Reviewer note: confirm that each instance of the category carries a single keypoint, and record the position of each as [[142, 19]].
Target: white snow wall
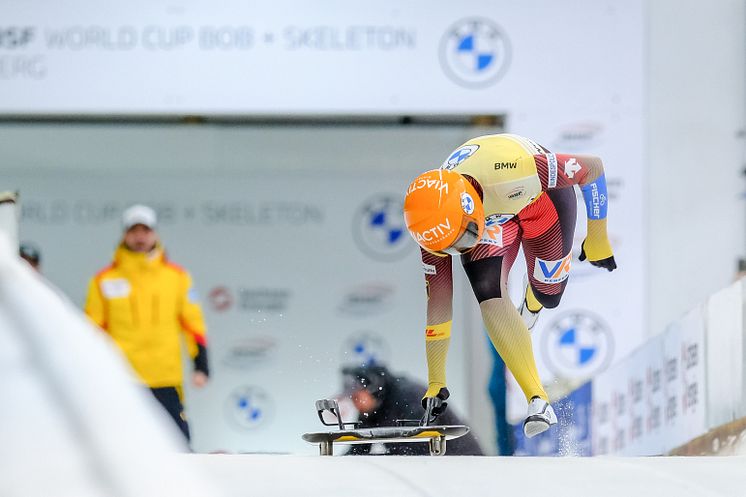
[[74, 420]]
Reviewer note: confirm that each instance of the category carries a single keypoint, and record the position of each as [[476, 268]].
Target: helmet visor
[[467, 241]]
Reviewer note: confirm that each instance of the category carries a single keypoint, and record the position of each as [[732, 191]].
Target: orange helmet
[[443, 212]]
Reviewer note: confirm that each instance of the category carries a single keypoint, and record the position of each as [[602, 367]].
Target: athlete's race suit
[[528, 200]]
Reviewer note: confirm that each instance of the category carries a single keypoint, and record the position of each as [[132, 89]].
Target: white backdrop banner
[[331, 57]]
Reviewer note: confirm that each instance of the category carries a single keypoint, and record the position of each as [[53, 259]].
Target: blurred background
[[275, 142]]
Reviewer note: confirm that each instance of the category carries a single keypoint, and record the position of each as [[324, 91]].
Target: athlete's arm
[[586, 171], [439, 287]]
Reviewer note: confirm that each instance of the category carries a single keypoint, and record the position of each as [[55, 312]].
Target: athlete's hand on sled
[[436, 391], [598, 254]]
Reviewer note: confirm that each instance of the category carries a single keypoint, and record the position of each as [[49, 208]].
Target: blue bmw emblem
[[474, 52], [459, 155], [249, 407], [365, 348], [467, 203], [378, 228], [577, 345]]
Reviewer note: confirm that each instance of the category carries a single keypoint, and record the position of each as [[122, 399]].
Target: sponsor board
[[221, 298], [578, 137], [365, 347], [475, 52], [250, 352], [378, 228], [577, 345], [249, 407], [367, 299]]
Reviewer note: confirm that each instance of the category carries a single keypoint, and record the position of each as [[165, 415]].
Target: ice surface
[[457, 476]]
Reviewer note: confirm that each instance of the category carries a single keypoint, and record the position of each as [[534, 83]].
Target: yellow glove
[[596, 247]]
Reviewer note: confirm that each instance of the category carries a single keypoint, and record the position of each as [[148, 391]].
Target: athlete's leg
[[548, 229], [487, 267]]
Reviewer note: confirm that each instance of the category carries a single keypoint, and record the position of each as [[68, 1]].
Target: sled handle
[[332, 406]]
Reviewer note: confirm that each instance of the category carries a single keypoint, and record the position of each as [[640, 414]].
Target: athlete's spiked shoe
[[540, 417], [529, 317]]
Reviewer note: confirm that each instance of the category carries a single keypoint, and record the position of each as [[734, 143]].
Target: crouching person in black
[[382, 398]]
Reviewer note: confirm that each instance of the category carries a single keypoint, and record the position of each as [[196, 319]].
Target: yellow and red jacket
[[146, 303]]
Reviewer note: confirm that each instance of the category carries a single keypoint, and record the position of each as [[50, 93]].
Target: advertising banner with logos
[[627, 404], [289, 57], [297, 279], [654, 400], [725, 355], [684, 378]]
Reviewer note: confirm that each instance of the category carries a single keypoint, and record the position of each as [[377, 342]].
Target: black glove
[[200, 360], [609, 263], [434, 407], [440, 407]]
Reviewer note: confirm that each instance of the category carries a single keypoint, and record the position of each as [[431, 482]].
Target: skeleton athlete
[[493, 194]]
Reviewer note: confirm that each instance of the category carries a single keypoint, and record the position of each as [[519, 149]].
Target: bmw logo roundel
[[379, 229], [467, 203], [577, 345], [365, 348], [458, 156], [474, 52], [249, 407]]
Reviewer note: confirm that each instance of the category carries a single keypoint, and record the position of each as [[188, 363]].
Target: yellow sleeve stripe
[[438, 331]]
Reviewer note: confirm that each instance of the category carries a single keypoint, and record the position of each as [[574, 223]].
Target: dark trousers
[[171, 402]]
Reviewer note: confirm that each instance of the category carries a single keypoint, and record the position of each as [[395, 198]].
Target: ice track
[[362, 476]]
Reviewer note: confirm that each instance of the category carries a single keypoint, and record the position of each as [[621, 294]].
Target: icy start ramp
[[456, 476]]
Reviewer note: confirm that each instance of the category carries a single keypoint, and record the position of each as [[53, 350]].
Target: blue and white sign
[[365, 348], [189, 57], [475, 52], [379, 228], [249, 407], [577, 345]]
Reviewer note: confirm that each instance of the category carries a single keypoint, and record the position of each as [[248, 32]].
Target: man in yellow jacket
[[146, 303]]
